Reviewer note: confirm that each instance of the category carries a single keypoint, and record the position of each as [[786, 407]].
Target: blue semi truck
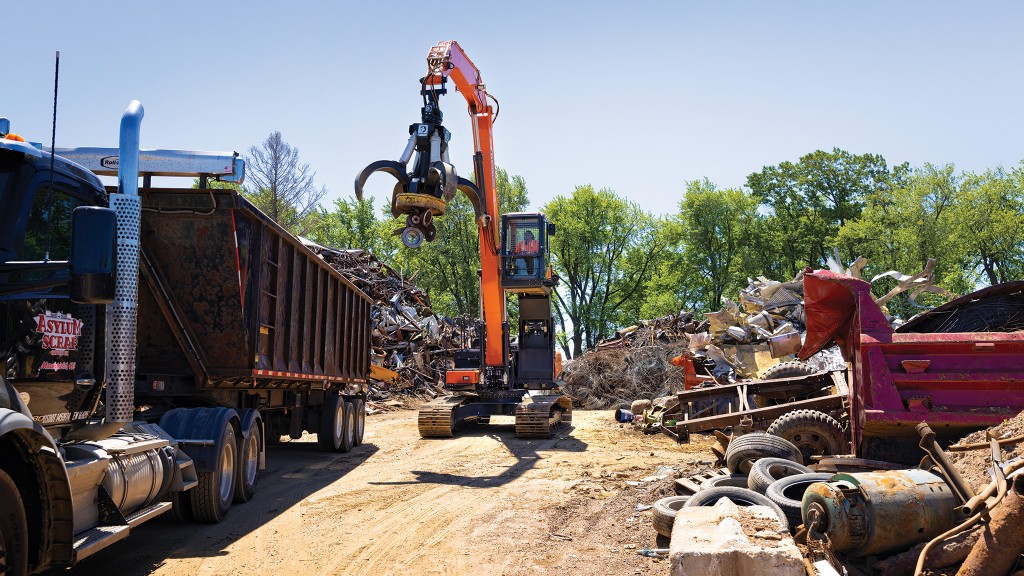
[[154, 340]]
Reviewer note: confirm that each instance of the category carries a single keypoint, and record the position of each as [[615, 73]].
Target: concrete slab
[[730, 540]]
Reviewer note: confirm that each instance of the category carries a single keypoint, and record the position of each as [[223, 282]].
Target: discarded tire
[[781, 370], [767, 470], [788, 370], [814, 433], [787, 493], [739, 496], [664, 513], [734, 480], [743, 451]]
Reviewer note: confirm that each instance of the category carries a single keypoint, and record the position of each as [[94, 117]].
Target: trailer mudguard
[[197, 431]]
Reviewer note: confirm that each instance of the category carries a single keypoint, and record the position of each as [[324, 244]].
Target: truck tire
[[13, 529], [349, 433], [788, 493], [181, 508], [332, 423], [767, 470], [663, 514], [814, 433], [248, 463], [359, 409], [212, 498], [743, 451], [740, 497]]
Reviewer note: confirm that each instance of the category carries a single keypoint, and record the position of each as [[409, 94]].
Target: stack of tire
[[766, 469]]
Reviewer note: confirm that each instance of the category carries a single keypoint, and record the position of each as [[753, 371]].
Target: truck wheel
[[212, 497], [248, 464], [332, 435], [348, 439], [814, 433], [181, 508], [13, 529], [359, 409]]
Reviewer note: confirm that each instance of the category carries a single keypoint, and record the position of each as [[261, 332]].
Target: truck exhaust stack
[[122, 313]]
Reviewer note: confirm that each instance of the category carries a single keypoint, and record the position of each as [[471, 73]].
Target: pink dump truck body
[[955, 381]]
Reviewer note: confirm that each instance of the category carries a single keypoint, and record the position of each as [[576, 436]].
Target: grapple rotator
[[427, 181]]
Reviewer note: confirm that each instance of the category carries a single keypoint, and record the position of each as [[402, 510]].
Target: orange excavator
[[496, 377]]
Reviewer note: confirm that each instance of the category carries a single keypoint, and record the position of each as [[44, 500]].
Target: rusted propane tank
[[873, 512]]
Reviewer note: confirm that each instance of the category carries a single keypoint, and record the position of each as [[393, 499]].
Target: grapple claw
[[426, 180], [396, 169]]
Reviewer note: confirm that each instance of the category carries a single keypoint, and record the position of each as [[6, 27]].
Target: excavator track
[[536, 416], [437, 417]]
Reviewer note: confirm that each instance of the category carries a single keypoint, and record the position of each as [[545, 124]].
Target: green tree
[[903, 227], [808, 201], [710, 235], [991, 223], [597, 233], [353, 224]]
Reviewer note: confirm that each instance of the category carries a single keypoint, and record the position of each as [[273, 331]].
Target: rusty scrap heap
[[410, 342], [736, 342]]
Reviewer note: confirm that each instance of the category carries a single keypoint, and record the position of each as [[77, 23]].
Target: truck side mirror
[[93, 254], [551, 228]]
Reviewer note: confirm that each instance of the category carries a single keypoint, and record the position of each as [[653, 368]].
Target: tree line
[[618, 263]]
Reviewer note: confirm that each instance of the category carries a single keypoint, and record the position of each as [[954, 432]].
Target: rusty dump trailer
[[234, 311]]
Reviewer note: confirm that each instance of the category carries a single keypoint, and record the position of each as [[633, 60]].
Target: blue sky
[[639, 97]]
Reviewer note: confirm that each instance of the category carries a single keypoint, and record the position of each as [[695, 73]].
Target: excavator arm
[[427, 182]]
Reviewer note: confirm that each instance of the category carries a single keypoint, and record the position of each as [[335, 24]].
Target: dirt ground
[[484, 502]]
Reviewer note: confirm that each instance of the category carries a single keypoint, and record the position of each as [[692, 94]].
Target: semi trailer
[[154, 341]]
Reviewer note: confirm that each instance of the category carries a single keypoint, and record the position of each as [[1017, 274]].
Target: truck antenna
[[53, 153]]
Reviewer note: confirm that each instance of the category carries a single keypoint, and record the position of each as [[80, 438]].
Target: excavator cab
[[524, 253]]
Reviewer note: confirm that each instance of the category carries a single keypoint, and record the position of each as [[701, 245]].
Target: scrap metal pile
[[411, 343], [736, 342]]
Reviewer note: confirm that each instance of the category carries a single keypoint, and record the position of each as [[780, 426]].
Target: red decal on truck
[[60, 331]]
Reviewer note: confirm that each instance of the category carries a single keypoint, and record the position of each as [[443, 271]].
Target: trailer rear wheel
[[359, 409], [212, 497], [13, 529], [249, 464], [337, 425], [349, 433]]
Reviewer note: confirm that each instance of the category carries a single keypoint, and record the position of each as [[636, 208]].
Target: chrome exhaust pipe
[[122, 313]]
